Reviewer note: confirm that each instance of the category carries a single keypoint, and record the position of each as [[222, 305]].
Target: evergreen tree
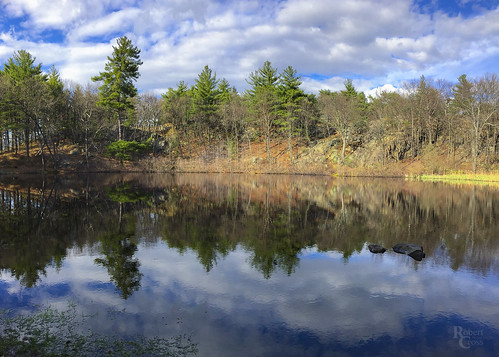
[[224, 91], [265, 101], [21, 71], [205, 102], [205, 94], [290, 94], [121, 70], [177, 104], [52, 125], [266, 77]]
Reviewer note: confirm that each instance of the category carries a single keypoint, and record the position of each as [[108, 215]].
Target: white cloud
[[315, 85], [56, 14], [114, 22], [383, 42], [374, 92]]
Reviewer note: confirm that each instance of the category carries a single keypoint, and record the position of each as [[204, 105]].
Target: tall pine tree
[[21, 71], [291, 95], [118, 88]]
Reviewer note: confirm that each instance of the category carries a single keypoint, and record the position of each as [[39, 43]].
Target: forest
[[443, 124]]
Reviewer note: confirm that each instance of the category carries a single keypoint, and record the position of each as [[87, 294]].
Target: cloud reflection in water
[[369, 302]]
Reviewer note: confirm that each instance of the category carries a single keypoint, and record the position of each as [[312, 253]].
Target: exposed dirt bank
[[323, 158]]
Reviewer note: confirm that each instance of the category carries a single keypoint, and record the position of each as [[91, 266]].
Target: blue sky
[[379, 44]]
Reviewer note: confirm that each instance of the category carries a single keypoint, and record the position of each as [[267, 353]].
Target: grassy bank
[[491, 179]]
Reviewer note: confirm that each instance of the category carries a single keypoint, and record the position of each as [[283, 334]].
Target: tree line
[[111, 116]]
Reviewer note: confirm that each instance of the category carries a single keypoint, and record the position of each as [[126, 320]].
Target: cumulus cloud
[[117, 21], [56, 14], [382, 42]]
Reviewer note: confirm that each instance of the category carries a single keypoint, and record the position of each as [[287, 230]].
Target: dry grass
[[321, 159]]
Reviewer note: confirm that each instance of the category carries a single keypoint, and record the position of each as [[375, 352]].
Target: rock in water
[[417, 255], [406, 248], [376, 248], [413, 250]]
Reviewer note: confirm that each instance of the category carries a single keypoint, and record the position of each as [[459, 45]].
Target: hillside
[[322, 158]]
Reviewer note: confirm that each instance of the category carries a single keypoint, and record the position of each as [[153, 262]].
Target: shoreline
[[311, 161], [451, 178]]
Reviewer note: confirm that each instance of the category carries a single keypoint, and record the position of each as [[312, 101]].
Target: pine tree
[[205, 92], [121, 70], [290, 94], [264, 101], [205, 102], [20, 69], [266, 77]]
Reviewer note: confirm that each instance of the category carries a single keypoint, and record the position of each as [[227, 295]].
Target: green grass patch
[[491, 179]]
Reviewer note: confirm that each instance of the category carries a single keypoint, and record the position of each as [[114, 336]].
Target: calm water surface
[[258, 265]]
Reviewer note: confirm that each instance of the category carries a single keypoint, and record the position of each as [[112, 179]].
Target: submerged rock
[[376, 248], [413, 250]]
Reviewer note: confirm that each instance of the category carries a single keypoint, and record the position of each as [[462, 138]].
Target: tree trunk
[[86, 146], [496, 142], [267, 142], [26, 138], [120, 133], [384, 152], [267, 148], [44, 169], [430, 135], [343, 149], [307, 134], [475, 150], [412, 136]]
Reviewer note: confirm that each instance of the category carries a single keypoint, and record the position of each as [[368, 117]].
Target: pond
[[247, 265]]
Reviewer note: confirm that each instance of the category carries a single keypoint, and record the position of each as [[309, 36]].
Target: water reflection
[[122, 267], [272, 217], [267, 264]]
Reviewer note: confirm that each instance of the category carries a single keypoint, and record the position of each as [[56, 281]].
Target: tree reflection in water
[[120, 263], [272, 217], [248, 233]]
